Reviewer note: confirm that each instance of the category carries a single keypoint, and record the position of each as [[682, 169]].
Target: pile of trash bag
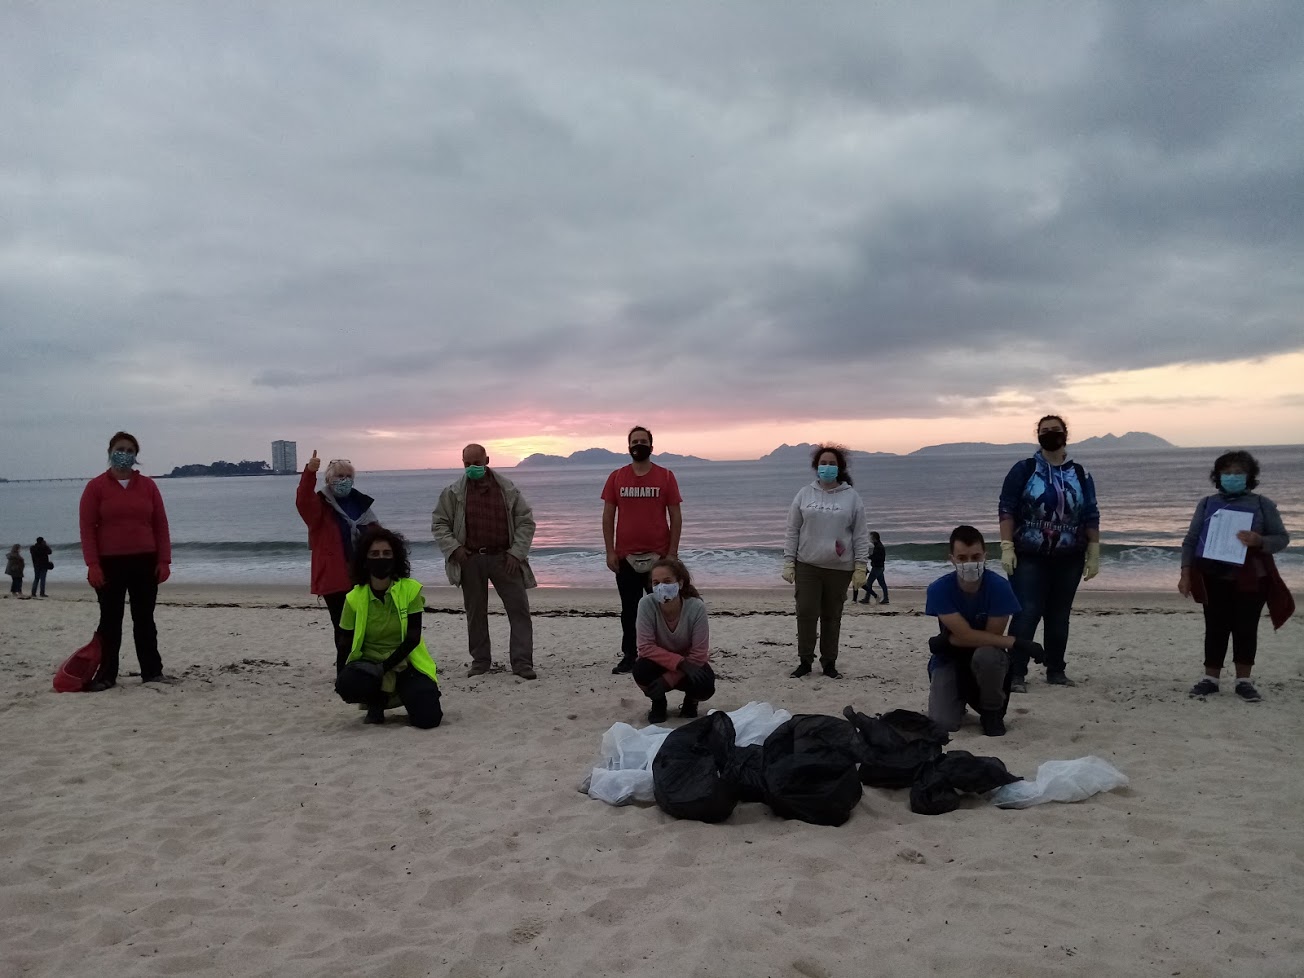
[[806, 770], [812, 767], [623, 772]]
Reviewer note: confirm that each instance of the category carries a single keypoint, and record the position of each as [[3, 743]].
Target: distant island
[[599, 456], [1132, 441], [800, 454], [220, 468]]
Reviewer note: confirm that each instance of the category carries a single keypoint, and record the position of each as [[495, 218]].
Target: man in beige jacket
[[485, 527]]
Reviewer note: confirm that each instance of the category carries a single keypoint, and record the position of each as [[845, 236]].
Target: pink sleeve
[[646, 640], [88, 519], [162, 536], [699, 649]]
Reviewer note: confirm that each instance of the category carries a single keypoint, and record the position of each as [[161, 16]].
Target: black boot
[[375, 714], [801, 670], [689, 709], [993, 723], [659, 710]]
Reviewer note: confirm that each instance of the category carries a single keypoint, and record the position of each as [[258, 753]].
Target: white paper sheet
[[1221, 543]]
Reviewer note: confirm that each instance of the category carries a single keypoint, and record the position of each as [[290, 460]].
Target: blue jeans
[[39, 580], [1045, 587], [875, 574]]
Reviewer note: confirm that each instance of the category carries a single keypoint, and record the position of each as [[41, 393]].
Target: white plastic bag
[[1061, 781], [623, 772], [756, 721]]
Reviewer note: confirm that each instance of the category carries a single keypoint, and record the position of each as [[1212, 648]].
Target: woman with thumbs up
[[334, 517]]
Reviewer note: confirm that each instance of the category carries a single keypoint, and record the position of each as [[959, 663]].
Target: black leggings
[[335, 605], [1231, 613], [417, 691], [646, 672]]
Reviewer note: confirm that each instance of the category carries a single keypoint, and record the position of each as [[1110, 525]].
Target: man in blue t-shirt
[[971, 653]]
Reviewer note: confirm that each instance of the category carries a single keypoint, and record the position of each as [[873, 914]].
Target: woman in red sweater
[[335, 518], [128, 552]]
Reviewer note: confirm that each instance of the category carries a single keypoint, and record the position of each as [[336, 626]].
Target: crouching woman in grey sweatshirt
[[825, 549]]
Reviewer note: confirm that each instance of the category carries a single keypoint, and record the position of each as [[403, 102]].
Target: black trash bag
[[810, 770], [360, 681], [687, 771], [746, 772], [897, 745], [941, 782]]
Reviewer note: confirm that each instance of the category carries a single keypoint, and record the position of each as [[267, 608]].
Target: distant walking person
[[485, 528], [641, 523], [1050, 540], [335, 517], [128, 552], [877, 558], [1233, 594], [41, 564], [14, 565], [826, 547]]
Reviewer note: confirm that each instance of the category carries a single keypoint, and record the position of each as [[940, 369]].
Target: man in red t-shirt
[[640, 523]]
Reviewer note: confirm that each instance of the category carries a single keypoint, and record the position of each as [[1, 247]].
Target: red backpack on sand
[[79, 668]]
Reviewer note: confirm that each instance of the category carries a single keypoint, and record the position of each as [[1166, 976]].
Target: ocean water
[[246, 530]]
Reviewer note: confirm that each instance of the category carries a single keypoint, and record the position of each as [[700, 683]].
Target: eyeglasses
[[339, 461]]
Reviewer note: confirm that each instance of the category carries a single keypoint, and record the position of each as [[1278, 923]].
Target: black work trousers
[[135, 577]]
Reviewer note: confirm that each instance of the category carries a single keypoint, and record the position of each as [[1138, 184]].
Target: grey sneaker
[[1246, 691], [1205, 687], [1059, 679], [1019, 684]]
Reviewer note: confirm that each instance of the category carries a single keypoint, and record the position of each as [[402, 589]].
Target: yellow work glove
[[789, 571], [1008, 560], [1093, 561], [858, 577]]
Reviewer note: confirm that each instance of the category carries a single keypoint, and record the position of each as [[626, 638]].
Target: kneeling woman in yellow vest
[[386, 662]]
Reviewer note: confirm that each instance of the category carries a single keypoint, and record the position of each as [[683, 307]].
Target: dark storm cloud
[[228, 222]]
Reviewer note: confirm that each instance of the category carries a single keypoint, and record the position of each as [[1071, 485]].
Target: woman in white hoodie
[[825, 549]]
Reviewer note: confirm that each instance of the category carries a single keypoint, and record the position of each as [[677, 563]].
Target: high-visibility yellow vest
[[403, 592]]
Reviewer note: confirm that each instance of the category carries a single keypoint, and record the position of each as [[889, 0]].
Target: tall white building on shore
[[285, 457]]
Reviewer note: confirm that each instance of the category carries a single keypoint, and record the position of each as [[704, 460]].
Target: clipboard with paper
[[1220, 542]]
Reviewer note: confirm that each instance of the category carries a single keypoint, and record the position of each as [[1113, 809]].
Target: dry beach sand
[[246, 822]]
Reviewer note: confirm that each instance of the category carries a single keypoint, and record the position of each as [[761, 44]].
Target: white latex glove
[[858, 576], [1092, 567], [1008, 560], [789, 571]]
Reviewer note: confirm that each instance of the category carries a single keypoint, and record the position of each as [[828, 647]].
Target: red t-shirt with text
[[641, 501]]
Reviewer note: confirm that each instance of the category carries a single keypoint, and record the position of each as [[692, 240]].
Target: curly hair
[[685, 579], [840, 453], [1242, 458], [1051, 417], [358, 566]]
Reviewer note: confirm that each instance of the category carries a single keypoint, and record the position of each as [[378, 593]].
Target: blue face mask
[[665, 592], [122, 460], [475, 472], [1232, 483], [827, 473], [342, 487]]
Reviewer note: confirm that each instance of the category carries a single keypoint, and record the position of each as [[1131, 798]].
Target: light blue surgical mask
[[475, 472], [827, 473], [342, 487], [1232, 483], [122, 460], [665, 592]]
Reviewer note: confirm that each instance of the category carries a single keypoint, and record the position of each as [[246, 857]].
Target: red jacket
[[330, 568], [117, 521]]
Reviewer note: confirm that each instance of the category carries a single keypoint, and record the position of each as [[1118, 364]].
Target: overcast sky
[[385, 229]]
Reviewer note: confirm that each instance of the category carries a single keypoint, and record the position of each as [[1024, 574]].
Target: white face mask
[[665, 592], [971, 573]]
